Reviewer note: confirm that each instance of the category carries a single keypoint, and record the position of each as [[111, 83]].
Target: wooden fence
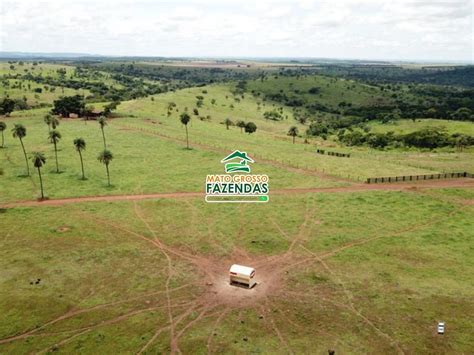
[[335, 154], [419, 177]]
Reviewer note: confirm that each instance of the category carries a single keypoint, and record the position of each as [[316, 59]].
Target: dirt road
[[460, 183]]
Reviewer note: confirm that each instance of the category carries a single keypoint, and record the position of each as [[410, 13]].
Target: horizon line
[[52, 55]]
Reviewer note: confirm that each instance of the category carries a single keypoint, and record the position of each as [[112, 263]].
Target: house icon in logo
[[237, 167]]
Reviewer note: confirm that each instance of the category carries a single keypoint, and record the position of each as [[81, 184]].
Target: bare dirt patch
[[63, 229]]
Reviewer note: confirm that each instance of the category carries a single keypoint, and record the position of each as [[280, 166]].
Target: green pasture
[[104, 284], [142, 163], [270, 141], [332, 91]]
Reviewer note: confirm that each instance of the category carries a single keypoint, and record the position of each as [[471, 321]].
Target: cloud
[[403, 29]]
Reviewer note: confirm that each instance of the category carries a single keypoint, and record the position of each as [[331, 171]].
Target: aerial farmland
[[235, 204]]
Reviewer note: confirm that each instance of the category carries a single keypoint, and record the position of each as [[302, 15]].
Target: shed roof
[[244, 270]]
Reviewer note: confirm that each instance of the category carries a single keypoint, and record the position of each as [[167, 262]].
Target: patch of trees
[[6, 106], [430, 138], [133, 88], [442, 75], [69, 104], [182, 77], [273, 115]]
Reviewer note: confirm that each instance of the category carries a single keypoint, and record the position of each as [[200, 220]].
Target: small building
[[242, 276], [440, 327]]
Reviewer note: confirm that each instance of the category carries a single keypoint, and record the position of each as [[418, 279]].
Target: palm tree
[[228, 122], [241, 125], [54, 137], [38, 161], [19, 131], [106, 157], [51, 121], [54, 122], [185, 118], [80, 145], [3, 126], [293, 131], [103, 122], [47, 120]]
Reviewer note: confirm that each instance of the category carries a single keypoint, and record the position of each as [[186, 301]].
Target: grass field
[[144, 136], [325, 282], [142, 163]]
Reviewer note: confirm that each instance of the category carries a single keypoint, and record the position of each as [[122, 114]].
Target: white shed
[[242, 275]]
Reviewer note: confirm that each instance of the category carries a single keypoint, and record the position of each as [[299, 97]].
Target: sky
[[429, 30]]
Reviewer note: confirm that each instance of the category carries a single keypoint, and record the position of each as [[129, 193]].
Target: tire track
[[170, 271]]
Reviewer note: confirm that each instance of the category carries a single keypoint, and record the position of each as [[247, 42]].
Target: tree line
[[430, 138]]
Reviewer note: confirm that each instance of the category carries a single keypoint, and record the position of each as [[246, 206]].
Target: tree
[[293, 132], [241, 125], [80, 145], [317, 129], [47, 120], [38, 161], [69, 104], [54, 122], [110, 107], [88, 111], [54, 137], [379, 140], [462, 114], [228, 122], [171, 105], [273, 115], [103, 122], [19, 131], [185, 118], [250, 127], [105, 157], [3, 127], [51, 121], [6, 106]]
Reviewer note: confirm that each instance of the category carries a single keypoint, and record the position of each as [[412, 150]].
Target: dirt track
[[461, 183]]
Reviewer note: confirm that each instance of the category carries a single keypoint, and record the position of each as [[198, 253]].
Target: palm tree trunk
[[3, 140], [293, 139], [56, 155], [26, 158], [187, 139], [41, 183], [103, 137], [108, 175], [82, 165]]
